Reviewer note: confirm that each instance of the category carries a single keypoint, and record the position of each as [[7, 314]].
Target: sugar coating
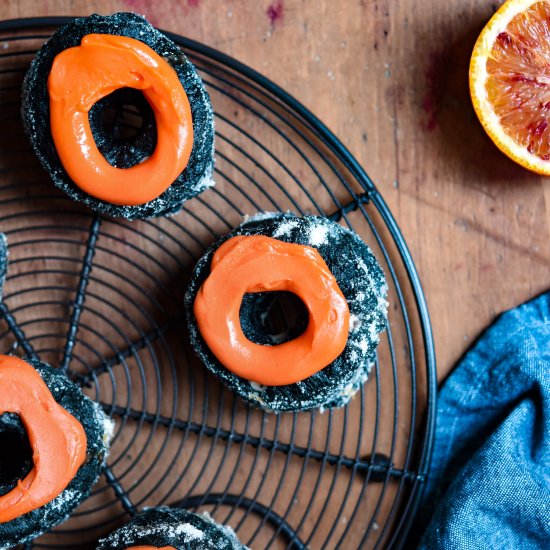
[[108, 424], [194, 179], [186, 531], [318, 235], [98, 429], [285, 229], [363, 284], [164, 526], [259, 216]]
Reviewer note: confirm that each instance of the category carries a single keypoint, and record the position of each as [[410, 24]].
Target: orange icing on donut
[[79, 78], [260, 264], [57, 438]]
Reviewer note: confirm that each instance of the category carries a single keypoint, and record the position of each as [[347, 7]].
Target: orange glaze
[[79, 78], [260, 264], [57, 439]]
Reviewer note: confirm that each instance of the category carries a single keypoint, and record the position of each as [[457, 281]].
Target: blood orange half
[[510, 81]]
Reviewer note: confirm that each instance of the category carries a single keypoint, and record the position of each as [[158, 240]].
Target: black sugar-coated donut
[[361, 281], [98, 429], [165, 526], [121, 152]]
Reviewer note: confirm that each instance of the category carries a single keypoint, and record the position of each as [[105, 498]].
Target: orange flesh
[[518, 83], [79, 78], [57, 439], [260, 264]]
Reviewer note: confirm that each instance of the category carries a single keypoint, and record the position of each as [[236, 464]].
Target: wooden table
[[390, 78]]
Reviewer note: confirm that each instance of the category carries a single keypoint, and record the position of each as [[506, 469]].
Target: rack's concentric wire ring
[[102, 299]]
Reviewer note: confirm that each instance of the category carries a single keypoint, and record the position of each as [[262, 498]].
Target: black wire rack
[[102, 299]]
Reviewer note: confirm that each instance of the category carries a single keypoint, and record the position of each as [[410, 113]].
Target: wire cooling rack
[[102, 299]]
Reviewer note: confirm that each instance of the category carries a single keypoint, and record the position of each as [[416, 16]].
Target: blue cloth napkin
[[489, 484]]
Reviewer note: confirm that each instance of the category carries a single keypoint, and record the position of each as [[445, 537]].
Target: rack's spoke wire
[[132, 350], [78, 302], [350, 206], [119, 491], [17, 331], [377, 470]]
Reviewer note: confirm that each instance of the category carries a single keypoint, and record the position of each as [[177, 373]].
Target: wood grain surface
[[389, 77]]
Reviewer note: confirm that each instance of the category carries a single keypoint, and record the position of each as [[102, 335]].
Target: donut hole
[[124, 127], [272, 318], [15, 452], [122, 121]]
